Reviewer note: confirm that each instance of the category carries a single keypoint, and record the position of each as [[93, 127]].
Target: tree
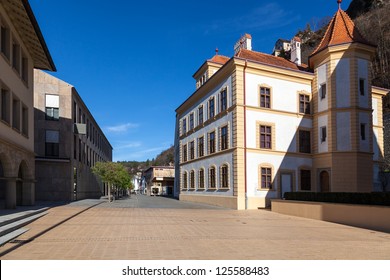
[[114, 174]]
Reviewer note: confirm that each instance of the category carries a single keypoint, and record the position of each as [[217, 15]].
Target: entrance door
[[324, 181], [286, 181]]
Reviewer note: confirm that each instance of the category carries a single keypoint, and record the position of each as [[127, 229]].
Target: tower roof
[[341, 30]]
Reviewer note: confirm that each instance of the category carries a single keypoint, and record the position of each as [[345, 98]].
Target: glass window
[[212, 142], [224, 138], [223, 103], [266, 177], [305, 180], [265, 137], [304, 104], [304, 141], [200, 115], [224, 176], [265, 97], [211, 108], [200, 146]]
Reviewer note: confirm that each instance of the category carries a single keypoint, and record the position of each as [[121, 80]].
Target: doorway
[[286, 183], [324, 181]]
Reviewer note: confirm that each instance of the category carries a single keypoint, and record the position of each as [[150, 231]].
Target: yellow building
[[258, 126], [22, 48]]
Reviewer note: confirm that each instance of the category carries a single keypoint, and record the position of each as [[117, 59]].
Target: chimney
[[296, 51], [245, 42]]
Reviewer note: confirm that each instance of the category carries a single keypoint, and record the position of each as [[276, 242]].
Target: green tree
[[114, 174]]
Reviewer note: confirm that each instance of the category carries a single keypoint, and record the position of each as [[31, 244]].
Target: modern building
[[258, 126], [22, 48], [159, 180], [68, 142]]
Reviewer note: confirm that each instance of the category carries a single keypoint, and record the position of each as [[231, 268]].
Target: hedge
[[375, 198]]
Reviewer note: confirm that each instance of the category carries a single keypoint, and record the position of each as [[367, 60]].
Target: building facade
[[68, 142], [22, 48], [261, 125], [159, 180]]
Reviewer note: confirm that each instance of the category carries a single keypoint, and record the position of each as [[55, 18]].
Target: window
[[185, 180], [201, 179], [16, 114], [74, 112], [200, 115], [5, 41], [362, 86], [305, 180], [323, 134], [304, 141], [223, 97], [212, 178], [266, 177], [224, 138], [211, 108], [363, 131], [224, 177], [184, 125], [74, 147], [265, 137], [5, 105], [192, 179], [322, 91], [185, 153], [201, 146], [265, 97], [24, 68], [16, 56], [211, 142], [52, 107], [191, 121], [24, 120], [52, 145], [304, 104], [192, 150]]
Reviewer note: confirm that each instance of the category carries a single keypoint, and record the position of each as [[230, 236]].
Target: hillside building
[[258, 126], [22, 48], [68, 142], [159, 180]]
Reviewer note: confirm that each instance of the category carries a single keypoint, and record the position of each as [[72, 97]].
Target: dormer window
[[323, 91]]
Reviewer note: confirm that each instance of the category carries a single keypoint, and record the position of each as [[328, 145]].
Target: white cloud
[[122, 127]]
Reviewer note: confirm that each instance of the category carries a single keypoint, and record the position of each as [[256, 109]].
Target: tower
[[342, 122]]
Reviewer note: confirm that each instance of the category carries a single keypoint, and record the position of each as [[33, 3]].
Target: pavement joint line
[[23, 242]]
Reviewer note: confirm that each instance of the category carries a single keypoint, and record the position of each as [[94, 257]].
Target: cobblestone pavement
[[156, 228]]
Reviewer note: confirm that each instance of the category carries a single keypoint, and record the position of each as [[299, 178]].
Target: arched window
[[185, 180], [201, 179], [192, 179], [212, 178], [225, 176]]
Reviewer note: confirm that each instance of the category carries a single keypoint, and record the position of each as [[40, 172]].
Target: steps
[[12, 225]]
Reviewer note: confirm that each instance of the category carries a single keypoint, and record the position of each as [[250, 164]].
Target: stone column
[[10, 194], [28, 192]]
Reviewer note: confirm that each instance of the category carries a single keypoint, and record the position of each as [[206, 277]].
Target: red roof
[[341, 30], [219, 59], [270, 60]]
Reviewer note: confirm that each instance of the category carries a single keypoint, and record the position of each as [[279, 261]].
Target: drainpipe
[[245, 160]]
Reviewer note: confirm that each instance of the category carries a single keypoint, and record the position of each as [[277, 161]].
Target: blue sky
[[132, 61]]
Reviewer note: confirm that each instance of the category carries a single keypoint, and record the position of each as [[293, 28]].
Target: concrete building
[[68, 142], [159, 180], [260, 125], [22, 48]]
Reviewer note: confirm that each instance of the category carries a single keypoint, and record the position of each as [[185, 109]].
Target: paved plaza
[[157, 228]]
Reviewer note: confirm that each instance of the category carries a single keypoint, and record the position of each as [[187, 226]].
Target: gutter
[[245, 159]]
